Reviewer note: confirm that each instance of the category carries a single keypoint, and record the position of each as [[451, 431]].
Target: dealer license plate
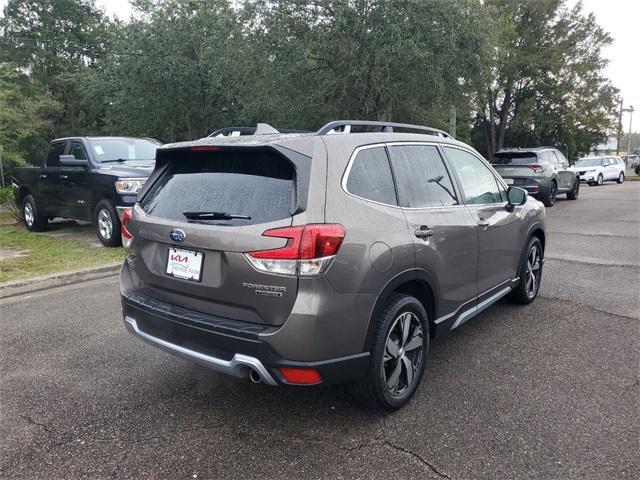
[[185, 264]]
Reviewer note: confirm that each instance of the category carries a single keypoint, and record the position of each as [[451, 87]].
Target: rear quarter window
[[255, 183], [370, 177]]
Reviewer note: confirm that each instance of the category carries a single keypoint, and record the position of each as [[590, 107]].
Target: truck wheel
[[620, 177], [398, 355], [33, 220], [549, 199], [107, 224], [575, 191]]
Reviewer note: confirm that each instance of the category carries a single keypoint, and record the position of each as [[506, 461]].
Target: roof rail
[[344, 126], [238, 131]]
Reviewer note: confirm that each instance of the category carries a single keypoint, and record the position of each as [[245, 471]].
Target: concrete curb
[[59, 279]]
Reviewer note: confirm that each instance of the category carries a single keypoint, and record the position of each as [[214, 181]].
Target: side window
[[77, 150], [370, 177], [478, 182], [421, 177], [53, 157], [545, 159], [561, 159]]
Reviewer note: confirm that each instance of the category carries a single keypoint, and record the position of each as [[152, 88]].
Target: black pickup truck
[[85, 178]]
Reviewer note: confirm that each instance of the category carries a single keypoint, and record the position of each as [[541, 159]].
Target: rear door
[[50, 181], [612, 169], [499, 238], [564, 172], [75, 181], [258, 183], [443, 230]]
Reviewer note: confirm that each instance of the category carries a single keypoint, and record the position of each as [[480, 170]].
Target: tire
[[31, 216], [523, 293], [575, 191], [384, 366], [107, 224], [620, 177], [549, 199], [600, 180]]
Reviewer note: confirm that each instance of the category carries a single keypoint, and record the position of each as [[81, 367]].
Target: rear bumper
[[533, 187], [227, 346]]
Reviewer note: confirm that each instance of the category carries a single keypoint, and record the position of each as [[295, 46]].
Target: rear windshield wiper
[[214, 216]]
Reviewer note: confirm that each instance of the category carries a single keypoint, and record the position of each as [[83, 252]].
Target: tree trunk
[[504, 114]]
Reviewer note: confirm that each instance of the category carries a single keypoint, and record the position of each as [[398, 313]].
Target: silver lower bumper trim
[[239, 366]]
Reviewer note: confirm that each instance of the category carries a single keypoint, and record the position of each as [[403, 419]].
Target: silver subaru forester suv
[[326, 257]]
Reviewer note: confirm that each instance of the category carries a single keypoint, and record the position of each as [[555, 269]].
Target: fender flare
[[391, 286]]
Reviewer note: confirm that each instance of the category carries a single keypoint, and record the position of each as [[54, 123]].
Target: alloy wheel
[[105, 224], [403, 353], [29, 217], [534, 270]]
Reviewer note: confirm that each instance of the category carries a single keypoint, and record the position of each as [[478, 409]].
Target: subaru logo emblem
[[177, 235]]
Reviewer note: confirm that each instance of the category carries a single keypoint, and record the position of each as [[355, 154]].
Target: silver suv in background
[[326, 257], [543, 172]]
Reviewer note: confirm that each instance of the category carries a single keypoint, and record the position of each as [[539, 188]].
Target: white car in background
[[597, 170]]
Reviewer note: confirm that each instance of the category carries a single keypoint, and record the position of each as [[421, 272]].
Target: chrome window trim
[[385, 145]]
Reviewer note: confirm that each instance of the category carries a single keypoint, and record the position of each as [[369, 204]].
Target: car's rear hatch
[[517, 164], [199, 263]]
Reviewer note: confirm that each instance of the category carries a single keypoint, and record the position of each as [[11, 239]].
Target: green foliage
[[524, 72], [26, 119]]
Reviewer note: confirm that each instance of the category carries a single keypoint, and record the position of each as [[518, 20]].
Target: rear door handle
[[483, 223], [423, 232], [43, 175], [64, 177]]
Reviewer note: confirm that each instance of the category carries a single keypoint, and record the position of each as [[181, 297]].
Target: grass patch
[[633, 178], [48, 254]]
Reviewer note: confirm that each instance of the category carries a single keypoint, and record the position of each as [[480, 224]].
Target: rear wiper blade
[[214, 216]]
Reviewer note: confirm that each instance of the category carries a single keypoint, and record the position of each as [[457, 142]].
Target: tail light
[[127, 237], [309, 251], [536, 167]]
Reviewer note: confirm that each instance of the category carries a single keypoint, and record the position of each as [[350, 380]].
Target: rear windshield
[[514, 158], [254, 183]]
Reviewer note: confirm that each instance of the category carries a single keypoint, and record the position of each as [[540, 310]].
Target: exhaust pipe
[[255, 376]]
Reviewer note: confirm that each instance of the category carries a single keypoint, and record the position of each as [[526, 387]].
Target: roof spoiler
[[344, 126], [260, 129]]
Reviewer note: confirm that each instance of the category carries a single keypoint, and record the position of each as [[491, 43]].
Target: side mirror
[[72, 161], [516, 196]]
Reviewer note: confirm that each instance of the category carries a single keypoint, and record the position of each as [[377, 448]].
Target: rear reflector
[[309, 251], [300, 376]]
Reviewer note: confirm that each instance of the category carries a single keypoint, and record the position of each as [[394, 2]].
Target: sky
[[621, 18]]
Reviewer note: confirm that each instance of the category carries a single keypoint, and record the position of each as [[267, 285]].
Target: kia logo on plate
[[177, 235]]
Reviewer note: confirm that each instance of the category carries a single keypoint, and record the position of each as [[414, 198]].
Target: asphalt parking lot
[[549, 391]]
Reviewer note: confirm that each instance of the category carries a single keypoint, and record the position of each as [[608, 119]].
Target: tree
[[58, 43], [26, 118], [548, 86], [403, 60]]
